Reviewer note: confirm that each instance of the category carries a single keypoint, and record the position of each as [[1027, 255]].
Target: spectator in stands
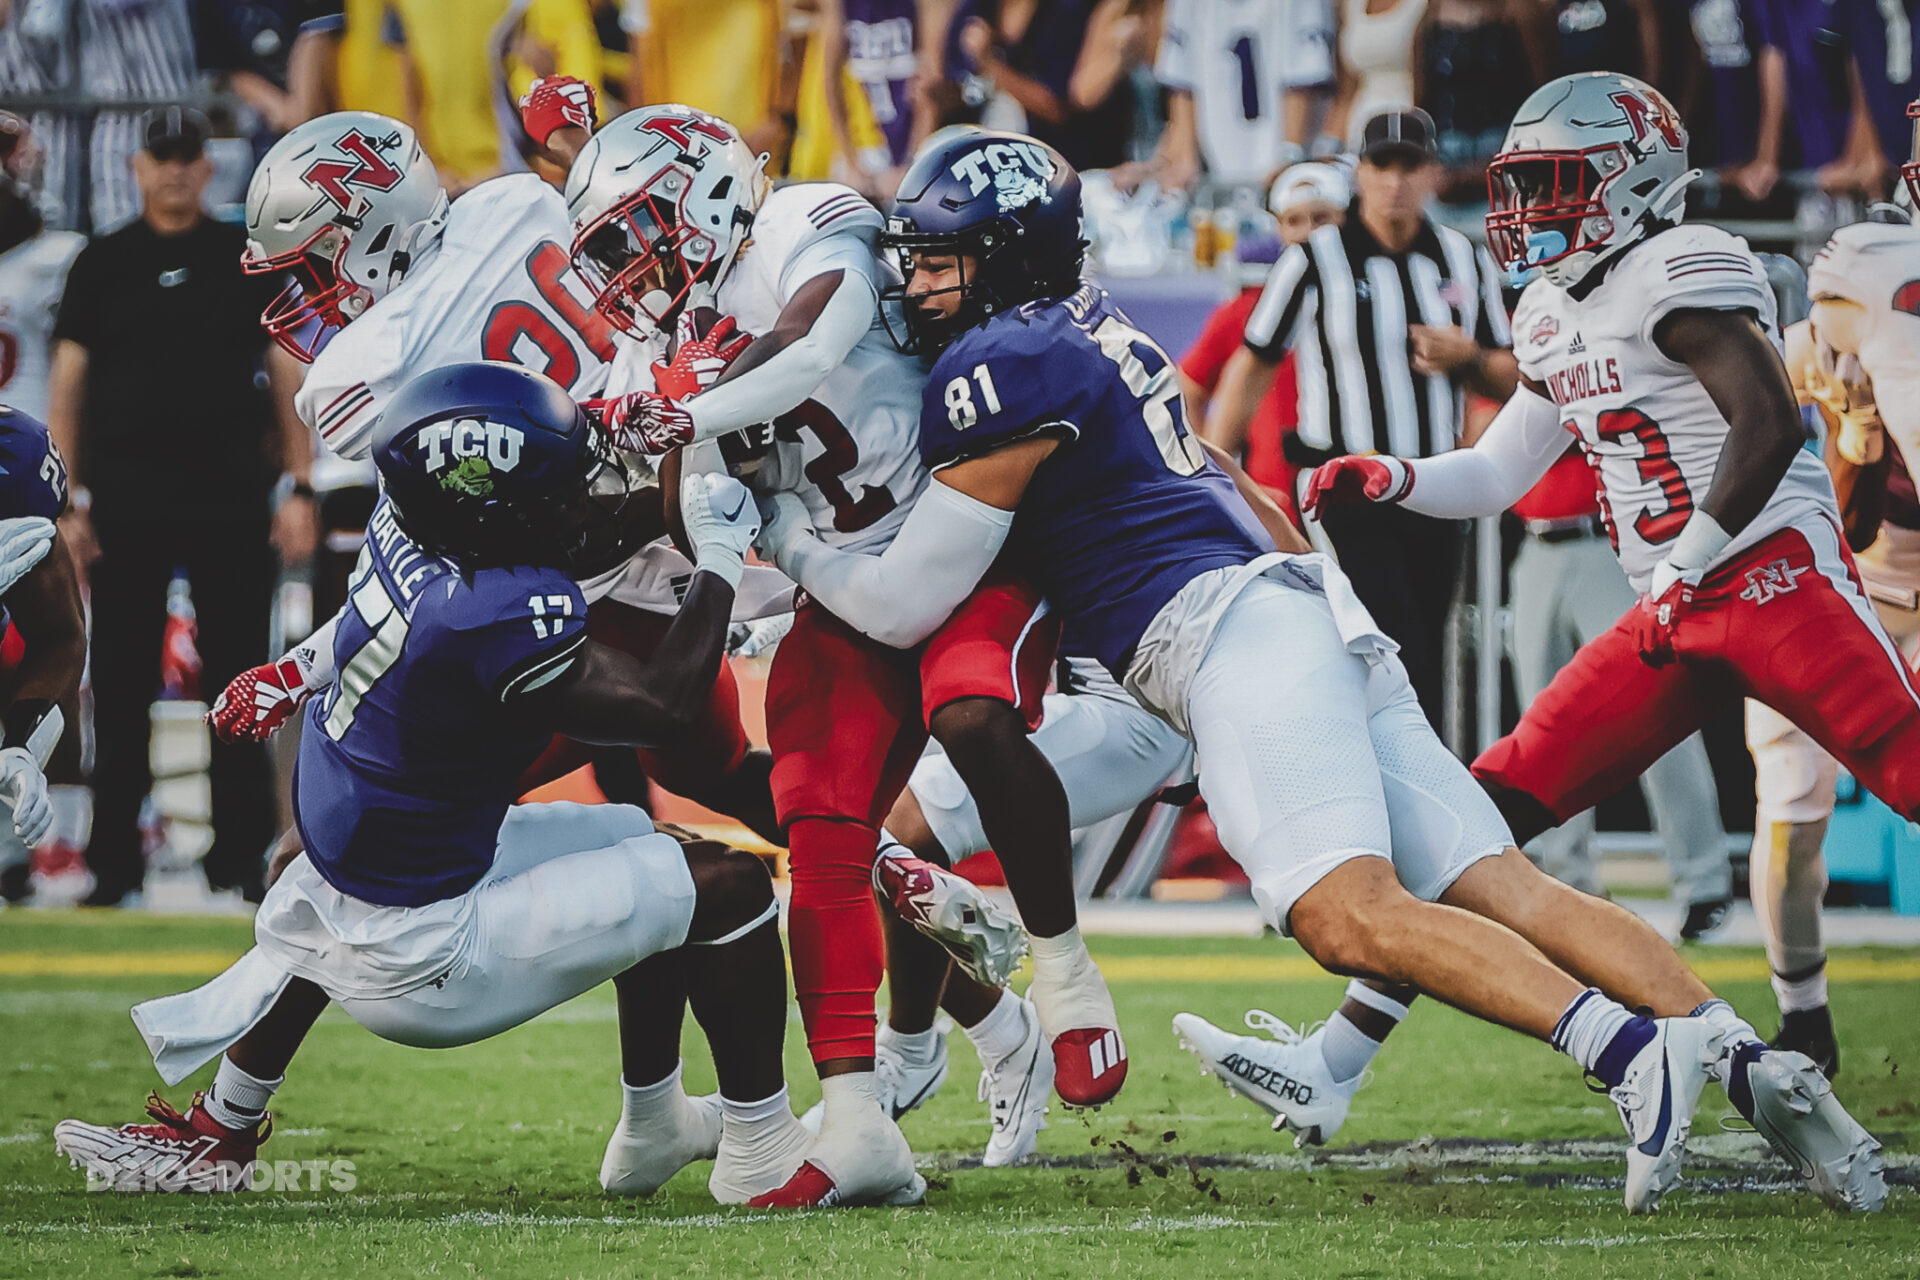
[[1246, 87], [1737, 94], [1827, 103], [1063, 64], [1606, 35], [1465, 60], [126, 51], [250, 44], [1879, 39], [41, 63], [350, 61], [159, 401], [859, 85], [1304, 198], [465, 67], [729, 59], [1376, 43]]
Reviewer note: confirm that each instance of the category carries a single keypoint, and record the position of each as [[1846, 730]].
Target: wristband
[[22, 718], [1700, 543]]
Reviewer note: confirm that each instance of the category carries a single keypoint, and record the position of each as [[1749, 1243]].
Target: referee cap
[[174, 133], [1407, 132]]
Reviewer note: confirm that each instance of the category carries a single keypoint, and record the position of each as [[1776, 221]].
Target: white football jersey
[[1876, 266], [32, 276], [858, 435], [1238, 58], [499, 285], [1646, 425]]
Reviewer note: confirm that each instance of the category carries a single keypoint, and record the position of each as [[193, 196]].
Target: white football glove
[[721, 520], [24, 543], [751, 639], [784, 525], [23, 788], [1841, 383]]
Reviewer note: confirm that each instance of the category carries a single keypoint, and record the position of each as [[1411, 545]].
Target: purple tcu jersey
[[33, 475], [409, 763], [1129, 509]]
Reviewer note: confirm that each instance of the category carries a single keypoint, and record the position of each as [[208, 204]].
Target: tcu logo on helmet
[[364, 167], [1647, 118], [1018, 172], [473, 449]]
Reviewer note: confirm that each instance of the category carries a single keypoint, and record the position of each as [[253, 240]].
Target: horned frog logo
[[1016, 189], [471, 476]]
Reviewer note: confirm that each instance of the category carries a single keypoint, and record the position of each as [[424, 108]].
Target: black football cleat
[[1810, 1031]]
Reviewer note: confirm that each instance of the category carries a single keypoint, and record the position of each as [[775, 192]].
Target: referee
[[1391, 319]]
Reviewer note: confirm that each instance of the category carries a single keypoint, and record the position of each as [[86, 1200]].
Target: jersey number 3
[[1657, 466]]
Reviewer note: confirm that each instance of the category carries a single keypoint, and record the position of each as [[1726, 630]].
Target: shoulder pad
[[793, 217], [1866, 263]]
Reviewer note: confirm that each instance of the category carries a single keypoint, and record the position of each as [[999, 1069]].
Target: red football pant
[[1787, 623], [692, 767], [846, 718]]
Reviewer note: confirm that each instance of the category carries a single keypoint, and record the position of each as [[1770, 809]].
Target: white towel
[[185, 1032]]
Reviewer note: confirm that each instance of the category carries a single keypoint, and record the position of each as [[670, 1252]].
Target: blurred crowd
[[1175, 93]]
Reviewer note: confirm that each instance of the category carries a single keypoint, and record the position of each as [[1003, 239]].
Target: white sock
[[644, 1109], [1066, 950], [1809, 991], [1000, 1032], [773, 1107], [1588, 1027], [72, 814], [915, 1046], [851, 1098], [1789, 876], [1346, 1048], [236, 1099]]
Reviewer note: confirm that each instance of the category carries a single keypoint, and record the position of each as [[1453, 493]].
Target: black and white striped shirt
[[1342, 304]]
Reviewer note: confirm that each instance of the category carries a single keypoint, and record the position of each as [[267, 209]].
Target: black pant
[[231, 568], [1404, 568]]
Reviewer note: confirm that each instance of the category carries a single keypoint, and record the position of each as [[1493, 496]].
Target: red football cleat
[[1089, 1066], [984, 940], [191, 1152]]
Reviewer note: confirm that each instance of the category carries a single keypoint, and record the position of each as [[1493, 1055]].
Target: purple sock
[[1611, 1066]]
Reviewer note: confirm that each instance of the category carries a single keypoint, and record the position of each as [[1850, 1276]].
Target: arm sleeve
[[1524, 439], [901, 596], [765, 393], [1270, 327]]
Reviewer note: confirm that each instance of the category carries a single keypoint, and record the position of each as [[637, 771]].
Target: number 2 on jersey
[[1159, 392], [1655, 465]]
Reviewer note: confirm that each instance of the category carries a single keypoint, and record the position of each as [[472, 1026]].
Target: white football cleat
[[757, 1158], [1015, 1090], [902, 1084], [177, 1153], [1787, 1099], [1656, 1097], [1285, 1076], [638, 1165], [983, 940], [860, 1158]]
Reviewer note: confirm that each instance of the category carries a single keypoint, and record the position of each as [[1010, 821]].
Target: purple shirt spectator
[[880, 57], [1807, 34], [1881, 41], [1731, 34]]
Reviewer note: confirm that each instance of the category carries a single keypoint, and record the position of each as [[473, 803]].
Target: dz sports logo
[[464, 454], [1772, 580], [363, 166]]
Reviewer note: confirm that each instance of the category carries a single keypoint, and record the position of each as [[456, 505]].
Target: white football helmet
[[662, 200], [1591, 162], [342, 203]]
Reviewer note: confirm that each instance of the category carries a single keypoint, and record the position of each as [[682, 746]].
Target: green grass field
[[1472, 1153]]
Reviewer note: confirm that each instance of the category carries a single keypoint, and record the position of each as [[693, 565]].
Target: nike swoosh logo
[[1658, 1138], [737, 508]]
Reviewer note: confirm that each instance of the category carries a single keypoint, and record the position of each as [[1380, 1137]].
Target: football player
[[1856, 358], [46, 640], [434, 911], [33, 271], [1363, 837], [1655, 342], [388, 281], [672, 212]]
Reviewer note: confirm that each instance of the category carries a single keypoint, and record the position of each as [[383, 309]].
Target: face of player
[[1301, 221], [938, 283]]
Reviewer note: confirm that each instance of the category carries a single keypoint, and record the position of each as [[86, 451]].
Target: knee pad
[[1793, 780]]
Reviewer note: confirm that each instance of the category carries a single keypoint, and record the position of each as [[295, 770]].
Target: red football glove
[[698, 362], [1657, 616], [553, 103], [1354, 479], [646, 422], [258, 702]]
